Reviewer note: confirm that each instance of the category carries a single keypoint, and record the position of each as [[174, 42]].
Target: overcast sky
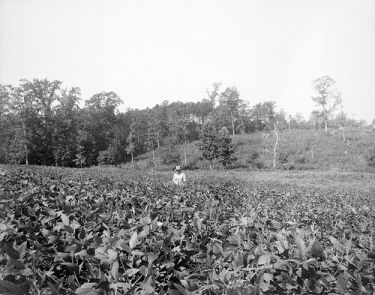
[[148, 51]]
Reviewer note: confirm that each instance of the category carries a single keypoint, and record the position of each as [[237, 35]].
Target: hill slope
[[309, 149], [299, 149]]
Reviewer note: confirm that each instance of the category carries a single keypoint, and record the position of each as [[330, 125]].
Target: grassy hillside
[[308, 149], [297, 149]]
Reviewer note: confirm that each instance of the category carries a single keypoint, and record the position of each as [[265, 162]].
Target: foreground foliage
[[92, 231]]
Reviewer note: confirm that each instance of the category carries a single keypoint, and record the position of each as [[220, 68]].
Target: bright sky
[[148, 51]]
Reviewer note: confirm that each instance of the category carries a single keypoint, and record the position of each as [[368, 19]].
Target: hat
[[178, 168]]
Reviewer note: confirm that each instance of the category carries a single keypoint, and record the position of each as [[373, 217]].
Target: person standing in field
[[179, 178]]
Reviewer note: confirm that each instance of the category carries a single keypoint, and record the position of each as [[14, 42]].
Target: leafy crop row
[[66, 231]]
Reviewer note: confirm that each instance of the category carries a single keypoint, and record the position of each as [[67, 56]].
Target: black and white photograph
[[187, 147]]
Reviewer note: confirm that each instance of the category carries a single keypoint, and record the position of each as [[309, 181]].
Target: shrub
[[254, 160], [150, 163], [236, 165], [283, 158], [301, 159], [192, 162], [254, 156], [108, 156]]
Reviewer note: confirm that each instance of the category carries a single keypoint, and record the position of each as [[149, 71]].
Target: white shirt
[[179, 178]]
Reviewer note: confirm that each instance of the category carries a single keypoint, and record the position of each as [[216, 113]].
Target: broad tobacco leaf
[[9, 288], [65, 219], [133, 240], [87, 289], [264, 283], [338, 246]]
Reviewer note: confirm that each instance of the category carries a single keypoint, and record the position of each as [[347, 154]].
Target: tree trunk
[[326, 126], [158, 139], [289, 125], [210, 164], [312, 147], [25, 143], [132, 158], [275, 147], [153, 153], [185, 152], [231, 114]]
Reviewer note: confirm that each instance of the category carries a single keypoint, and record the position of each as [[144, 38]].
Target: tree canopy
[[44, 123]]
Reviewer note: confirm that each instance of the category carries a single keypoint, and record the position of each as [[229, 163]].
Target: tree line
[[43, 123]]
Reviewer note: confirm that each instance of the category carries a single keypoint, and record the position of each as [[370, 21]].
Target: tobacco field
[[109, 231]]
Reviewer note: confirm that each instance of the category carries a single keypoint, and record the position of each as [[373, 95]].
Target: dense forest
[[43, 123]]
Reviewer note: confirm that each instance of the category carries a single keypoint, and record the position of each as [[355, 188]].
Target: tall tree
[[213, 93], [231, 105], [326, 97], [33, 102], [341, 121], [67, 118], [178, 120], [100, 113], [202, 110], [226, 151], [152, 142], [11, 137], [80, 158], [131, 141], [160, 121], [216, 145], [44, 93], [208, 144], [273, 119], [268, 119]]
